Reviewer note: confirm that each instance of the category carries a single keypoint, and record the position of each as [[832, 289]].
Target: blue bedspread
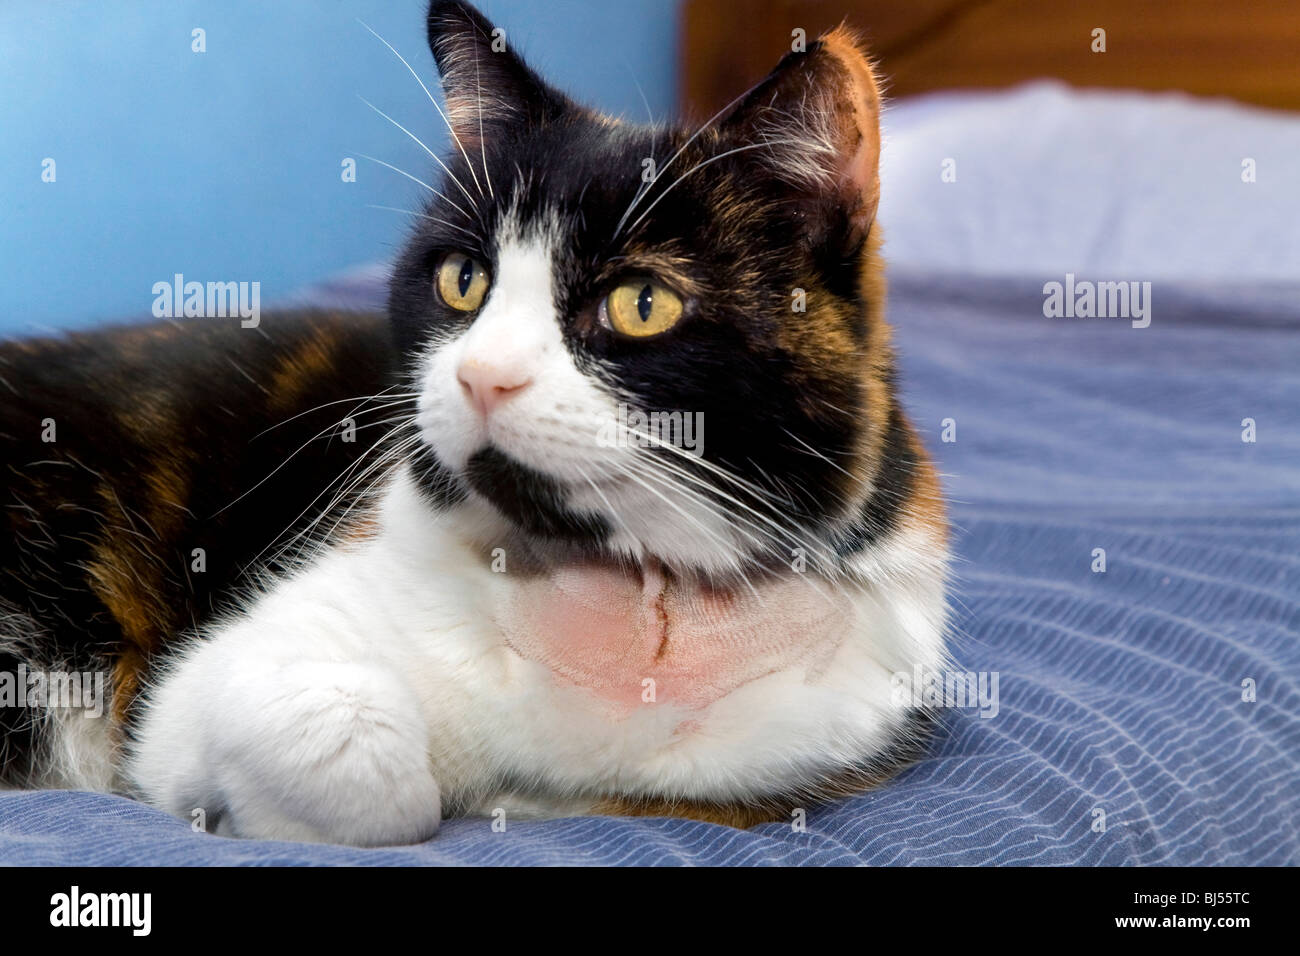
[[1121, 693]]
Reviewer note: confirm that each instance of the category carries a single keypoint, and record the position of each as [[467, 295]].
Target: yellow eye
[[462, 282], [641, 308]]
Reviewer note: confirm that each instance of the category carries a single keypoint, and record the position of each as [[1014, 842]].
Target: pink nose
[[487, 385]]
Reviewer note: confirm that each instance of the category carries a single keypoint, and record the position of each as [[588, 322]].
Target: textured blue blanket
[[1126, 731]]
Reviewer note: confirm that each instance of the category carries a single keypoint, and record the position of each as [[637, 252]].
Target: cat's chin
[[531, 500], [542, 524]]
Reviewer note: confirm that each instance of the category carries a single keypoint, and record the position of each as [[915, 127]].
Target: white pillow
[[1104, 184]]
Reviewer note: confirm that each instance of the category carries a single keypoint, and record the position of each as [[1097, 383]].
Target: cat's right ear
[[488, 87]]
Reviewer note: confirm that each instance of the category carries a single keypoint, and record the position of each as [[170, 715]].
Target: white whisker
[[436, 158], [482, 144], [672, 159], [450, 128], [340, 477], [707, 162], [421, 182], [360, 398], [332, 426], [412, 212]]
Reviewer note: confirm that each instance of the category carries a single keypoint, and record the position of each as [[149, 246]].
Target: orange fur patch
[[127, 571], [740, 816], [302, 368], [862, 103], [925, 508]]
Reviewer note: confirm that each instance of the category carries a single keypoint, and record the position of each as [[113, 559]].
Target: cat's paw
[[324, 752], [347, 761]]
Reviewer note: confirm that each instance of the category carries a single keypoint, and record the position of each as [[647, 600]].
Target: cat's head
[[652, 342]]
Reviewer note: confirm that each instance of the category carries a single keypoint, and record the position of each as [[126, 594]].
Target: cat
[[527, 594]]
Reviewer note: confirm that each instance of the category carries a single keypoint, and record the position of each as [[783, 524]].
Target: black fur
[[532, 500], [894, 485]]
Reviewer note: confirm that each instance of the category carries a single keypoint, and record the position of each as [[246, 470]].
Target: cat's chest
[[632, 640]]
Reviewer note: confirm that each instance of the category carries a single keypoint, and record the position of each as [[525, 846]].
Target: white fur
[[360, 698], [77, 746], [81, 753], [343, 704]]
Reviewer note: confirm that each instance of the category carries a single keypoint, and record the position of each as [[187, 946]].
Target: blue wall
[[225, 165]]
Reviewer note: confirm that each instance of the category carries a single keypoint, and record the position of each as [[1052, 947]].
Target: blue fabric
[[1120, 691]]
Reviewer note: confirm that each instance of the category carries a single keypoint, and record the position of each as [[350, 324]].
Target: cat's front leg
[[264, 736]]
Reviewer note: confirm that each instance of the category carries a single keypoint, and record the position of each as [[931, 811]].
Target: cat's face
[[651, 342]]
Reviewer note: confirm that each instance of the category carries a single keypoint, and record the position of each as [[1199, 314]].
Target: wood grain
[[1248, 50]]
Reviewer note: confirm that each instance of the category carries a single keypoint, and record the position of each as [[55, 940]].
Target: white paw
[[326, 752]]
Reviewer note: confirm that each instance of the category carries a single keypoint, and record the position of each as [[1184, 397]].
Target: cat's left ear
[[819, 113], [489, 89]]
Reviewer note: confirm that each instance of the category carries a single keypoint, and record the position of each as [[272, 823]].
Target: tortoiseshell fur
[[167, 438]]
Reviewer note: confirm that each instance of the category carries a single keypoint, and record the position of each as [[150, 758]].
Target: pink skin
[[607, 630]]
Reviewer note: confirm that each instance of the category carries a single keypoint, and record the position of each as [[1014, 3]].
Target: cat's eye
[[462, 282], [641, 308]]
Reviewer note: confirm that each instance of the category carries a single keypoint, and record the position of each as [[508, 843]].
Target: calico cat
[[527, 592]]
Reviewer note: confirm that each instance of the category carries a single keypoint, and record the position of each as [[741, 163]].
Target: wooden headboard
[[1248, 50]]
